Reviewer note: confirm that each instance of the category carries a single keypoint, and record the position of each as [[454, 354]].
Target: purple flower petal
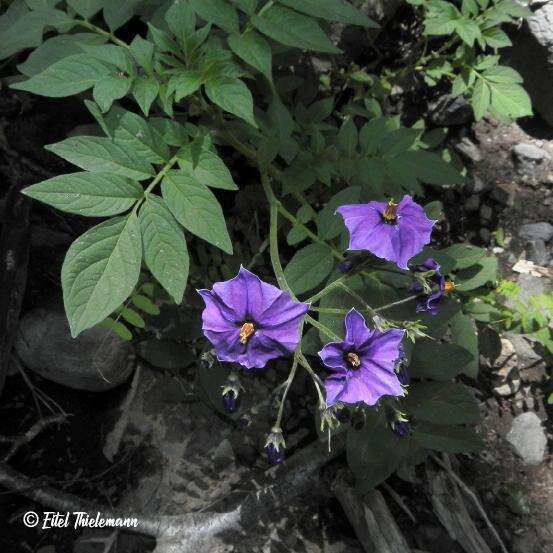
[[245, 301], [397, 241], [364, 363]]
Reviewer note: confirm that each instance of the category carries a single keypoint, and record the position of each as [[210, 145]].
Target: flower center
[[390, 213], [449, 286], [246, 332], [353, 360]]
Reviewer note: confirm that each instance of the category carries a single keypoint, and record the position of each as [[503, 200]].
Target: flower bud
[[230, 393], [401, 428], [275, 446]]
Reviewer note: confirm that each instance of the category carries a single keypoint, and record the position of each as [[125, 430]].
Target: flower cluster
[[251, 322]]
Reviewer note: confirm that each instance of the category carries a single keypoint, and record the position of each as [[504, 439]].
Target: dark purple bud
[[229, 401], [244, 421], [401, 428], [275, 454], [404, 376]]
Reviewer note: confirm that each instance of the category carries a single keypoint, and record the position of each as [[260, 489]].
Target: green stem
[[100, 31], [288, 383], [322, 328], [396, 303], [155, 181], [316, 380]]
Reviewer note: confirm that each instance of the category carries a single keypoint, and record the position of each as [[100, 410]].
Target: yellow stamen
[[353, 359], [390, 213], [449, 286], [246, 332]]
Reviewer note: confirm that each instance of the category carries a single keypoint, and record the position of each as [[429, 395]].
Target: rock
[[529, 153], [530, 286], [532, 56], [473, 203], [485, 235], [504, 193], [449, 110], [526, 543], [528, 438], [96, 360], [469, 150], [536, 231], [478, 186], [532, 366], [486, 214], [536, 251], [506, 377]]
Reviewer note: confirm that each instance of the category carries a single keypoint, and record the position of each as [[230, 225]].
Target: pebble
[[449, 110], [536, 231], [506, 375], [476, 186], [527, 438], [485, 235], [469, 150]]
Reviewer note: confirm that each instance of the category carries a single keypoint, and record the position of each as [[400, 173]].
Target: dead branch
[[193, 532], [19, 441]]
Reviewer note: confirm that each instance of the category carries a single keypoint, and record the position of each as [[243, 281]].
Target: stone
[[532, 56], [473, 203], [449, 110], [504, 193], [478, 186], [528, 438], [486, 214], [505, 368], [529, 153], [485, 235], [536, 251], [536, 231], [530, 286], [469, 150], [97, 360]]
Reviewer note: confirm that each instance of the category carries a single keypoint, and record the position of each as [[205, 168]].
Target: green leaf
[[110, 88], [102, 155], [348, 137], [329, 223], [133, 317], [184, 83], [468, 30], [165, 251], [87, 8], [478, 275], [254, 50], [481, 99], [143, 52], [116, 14], [437, 360], [66, 77], [429, 168], [133, 133], [145, 91], [309, 267], [210, 169], [247, 6], [111, 54], [181, 20], [374, 452], [464, 255], [55, 49], [510, 100], [232, 95], [502, 74], [145, 304], [100, 271], [196, 209], [90, 194], [218, 12], [442, 403], [332, 10], [450, 439], [496, 38], [464, 333], [117, 327], [293, 29]]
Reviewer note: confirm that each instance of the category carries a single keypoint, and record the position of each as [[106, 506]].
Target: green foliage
[[213, 79], [469, 60]]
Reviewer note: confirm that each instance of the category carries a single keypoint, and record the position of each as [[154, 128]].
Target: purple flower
[[249, 321], [430, 302], [364, 363], [395, 232]]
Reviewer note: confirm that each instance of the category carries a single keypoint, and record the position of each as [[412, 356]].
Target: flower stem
[[396, 303], [316, 380], [288, 384]]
